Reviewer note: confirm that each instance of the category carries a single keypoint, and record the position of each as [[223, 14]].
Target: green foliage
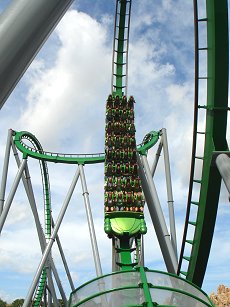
[[61, 302], [2, 303], [17, 303]]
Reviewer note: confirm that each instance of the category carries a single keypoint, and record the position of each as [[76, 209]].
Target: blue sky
[[61, 99]]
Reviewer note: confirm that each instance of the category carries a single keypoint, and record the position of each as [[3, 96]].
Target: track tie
[[116, 86], [199, 132], [120, 51], [183, 273], [120, 264], [121, 40], [200, 158], [203, 48], [196, 203], [202, 19], [189, 241], [202, 107], [192, 223], [118, 249], [197, 181], [117, 75], [186, 258], [119, 27], [119, 63], [123, 14], [202, 78]]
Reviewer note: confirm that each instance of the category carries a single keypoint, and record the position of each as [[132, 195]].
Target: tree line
[[16, 303], [19, 302]]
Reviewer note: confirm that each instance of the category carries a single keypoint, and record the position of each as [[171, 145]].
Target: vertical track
[[120, 47], [214, 136]]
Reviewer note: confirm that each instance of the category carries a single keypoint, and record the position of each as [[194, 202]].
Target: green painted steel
[[40, 289], [125, 223], [145, 286], [215, 137], [53, 157], [149, 141], [69, 158], [125, 251]]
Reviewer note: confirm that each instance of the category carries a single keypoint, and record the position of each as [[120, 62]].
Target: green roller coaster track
[[215, 138], [47, 208], [39, 154]]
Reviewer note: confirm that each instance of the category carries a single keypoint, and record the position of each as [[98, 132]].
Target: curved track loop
[[47, 208], [38, 153], [214, 138]]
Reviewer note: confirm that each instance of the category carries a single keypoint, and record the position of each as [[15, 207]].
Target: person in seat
[[109, 102], [131, 102], [117, 101], [124, 101]]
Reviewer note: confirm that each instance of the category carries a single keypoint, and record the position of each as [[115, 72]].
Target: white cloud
[[60, 97], [23, 255]]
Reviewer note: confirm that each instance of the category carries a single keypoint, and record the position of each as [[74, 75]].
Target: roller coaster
[[129, 188]]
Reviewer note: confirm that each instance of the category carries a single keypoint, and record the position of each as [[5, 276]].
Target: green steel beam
[[52, 157], [215, 136], [145, 285], [125, 254], [149, 141]]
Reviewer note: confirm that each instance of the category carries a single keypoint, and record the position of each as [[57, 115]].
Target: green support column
[[148, 298], [125, 255]]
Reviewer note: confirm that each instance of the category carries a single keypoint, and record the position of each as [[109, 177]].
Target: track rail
[[214, 136]]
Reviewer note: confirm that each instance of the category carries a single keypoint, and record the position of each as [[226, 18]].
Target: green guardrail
[[139, 287]]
